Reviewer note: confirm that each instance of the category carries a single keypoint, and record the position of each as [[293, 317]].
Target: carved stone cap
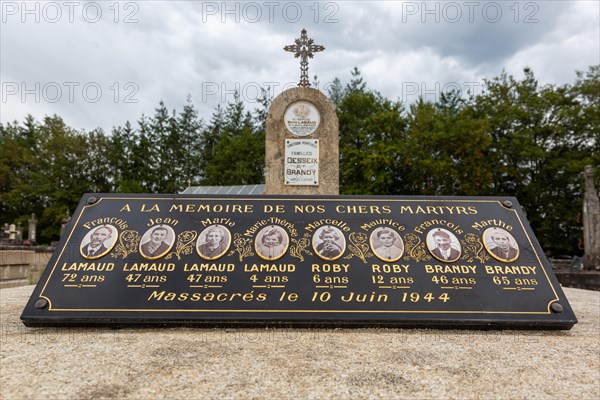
[[589, 171]]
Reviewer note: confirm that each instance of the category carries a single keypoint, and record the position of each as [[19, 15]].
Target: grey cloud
[[174, 49]]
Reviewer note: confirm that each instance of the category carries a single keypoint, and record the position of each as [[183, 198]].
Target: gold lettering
[[491, 222], [510, 269], [176, 207], [153, 208]]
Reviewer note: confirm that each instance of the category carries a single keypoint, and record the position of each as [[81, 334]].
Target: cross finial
[[304, 48]]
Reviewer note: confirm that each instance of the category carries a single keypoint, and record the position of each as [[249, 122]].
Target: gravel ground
[[192, 363]]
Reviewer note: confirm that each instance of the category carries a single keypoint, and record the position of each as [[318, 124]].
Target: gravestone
[[591, 221], [19, 237], [302, 137], [31, 235], [64, 222], [12, 232]]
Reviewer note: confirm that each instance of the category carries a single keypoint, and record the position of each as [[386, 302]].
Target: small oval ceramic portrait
[[157, 241], [329, 242], [99, 242], [271, 242], [386, 244], [213, 242], [500, 244], [443, 245]]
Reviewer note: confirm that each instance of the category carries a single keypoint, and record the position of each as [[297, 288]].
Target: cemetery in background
[[516, 138]]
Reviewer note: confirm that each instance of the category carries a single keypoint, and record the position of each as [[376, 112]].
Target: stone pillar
[[12, 232], [302, 144], [31, 232], [5, 231], [64, 222], [19, 237], [591, 222]]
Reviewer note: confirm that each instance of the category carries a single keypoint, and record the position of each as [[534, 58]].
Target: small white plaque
[[302, 118], [301, 162]]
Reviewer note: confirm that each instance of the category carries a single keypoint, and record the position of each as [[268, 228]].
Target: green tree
[[208, 142], [161, 134], [17, 149], [187, 151], [144, 158], [445, 152], [97, 164], [372, 132], [238, 154], [538, 152], [123, 142]]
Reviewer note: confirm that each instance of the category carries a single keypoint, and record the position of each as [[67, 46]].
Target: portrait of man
[[157, 242], [329, 242], [213, 242], [98, 242], [386, 243], [271, 242], [443, 245], [500, 244]]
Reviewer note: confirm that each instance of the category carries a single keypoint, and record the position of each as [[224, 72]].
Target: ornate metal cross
[[304, 48]]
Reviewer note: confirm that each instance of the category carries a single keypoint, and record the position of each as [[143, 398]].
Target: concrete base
[[589, 280], [323, 363], [20, 267]]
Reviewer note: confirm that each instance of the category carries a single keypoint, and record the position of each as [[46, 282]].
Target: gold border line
[[556, 297], [75, 225], [329, 200], [49, 301], [307, 311], [50, 308], [374, 198]]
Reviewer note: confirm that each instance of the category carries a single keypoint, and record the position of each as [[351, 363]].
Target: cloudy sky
[[99, 64]]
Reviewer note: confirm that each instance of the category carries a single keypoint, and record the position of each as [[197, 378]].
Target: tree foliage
[[517, 138], [372, 131]]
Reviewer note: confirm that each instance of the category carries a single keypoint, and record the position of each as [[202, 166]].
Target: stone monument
[[19, 238], [32, 228], [12, 232], [302, 255], [591, 221], [302, 136], [64, 222]]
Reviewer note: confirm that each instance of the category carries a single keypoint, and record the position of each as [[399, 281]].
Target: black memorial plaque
[[295, 260]]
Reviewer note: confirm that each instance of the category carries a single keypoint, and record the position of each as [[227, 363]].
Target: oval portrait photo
[[271, 242], [213, 242], [98, 242], [386, 244], [329, 243], [443, 245], [157, 241], [500, 244]]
